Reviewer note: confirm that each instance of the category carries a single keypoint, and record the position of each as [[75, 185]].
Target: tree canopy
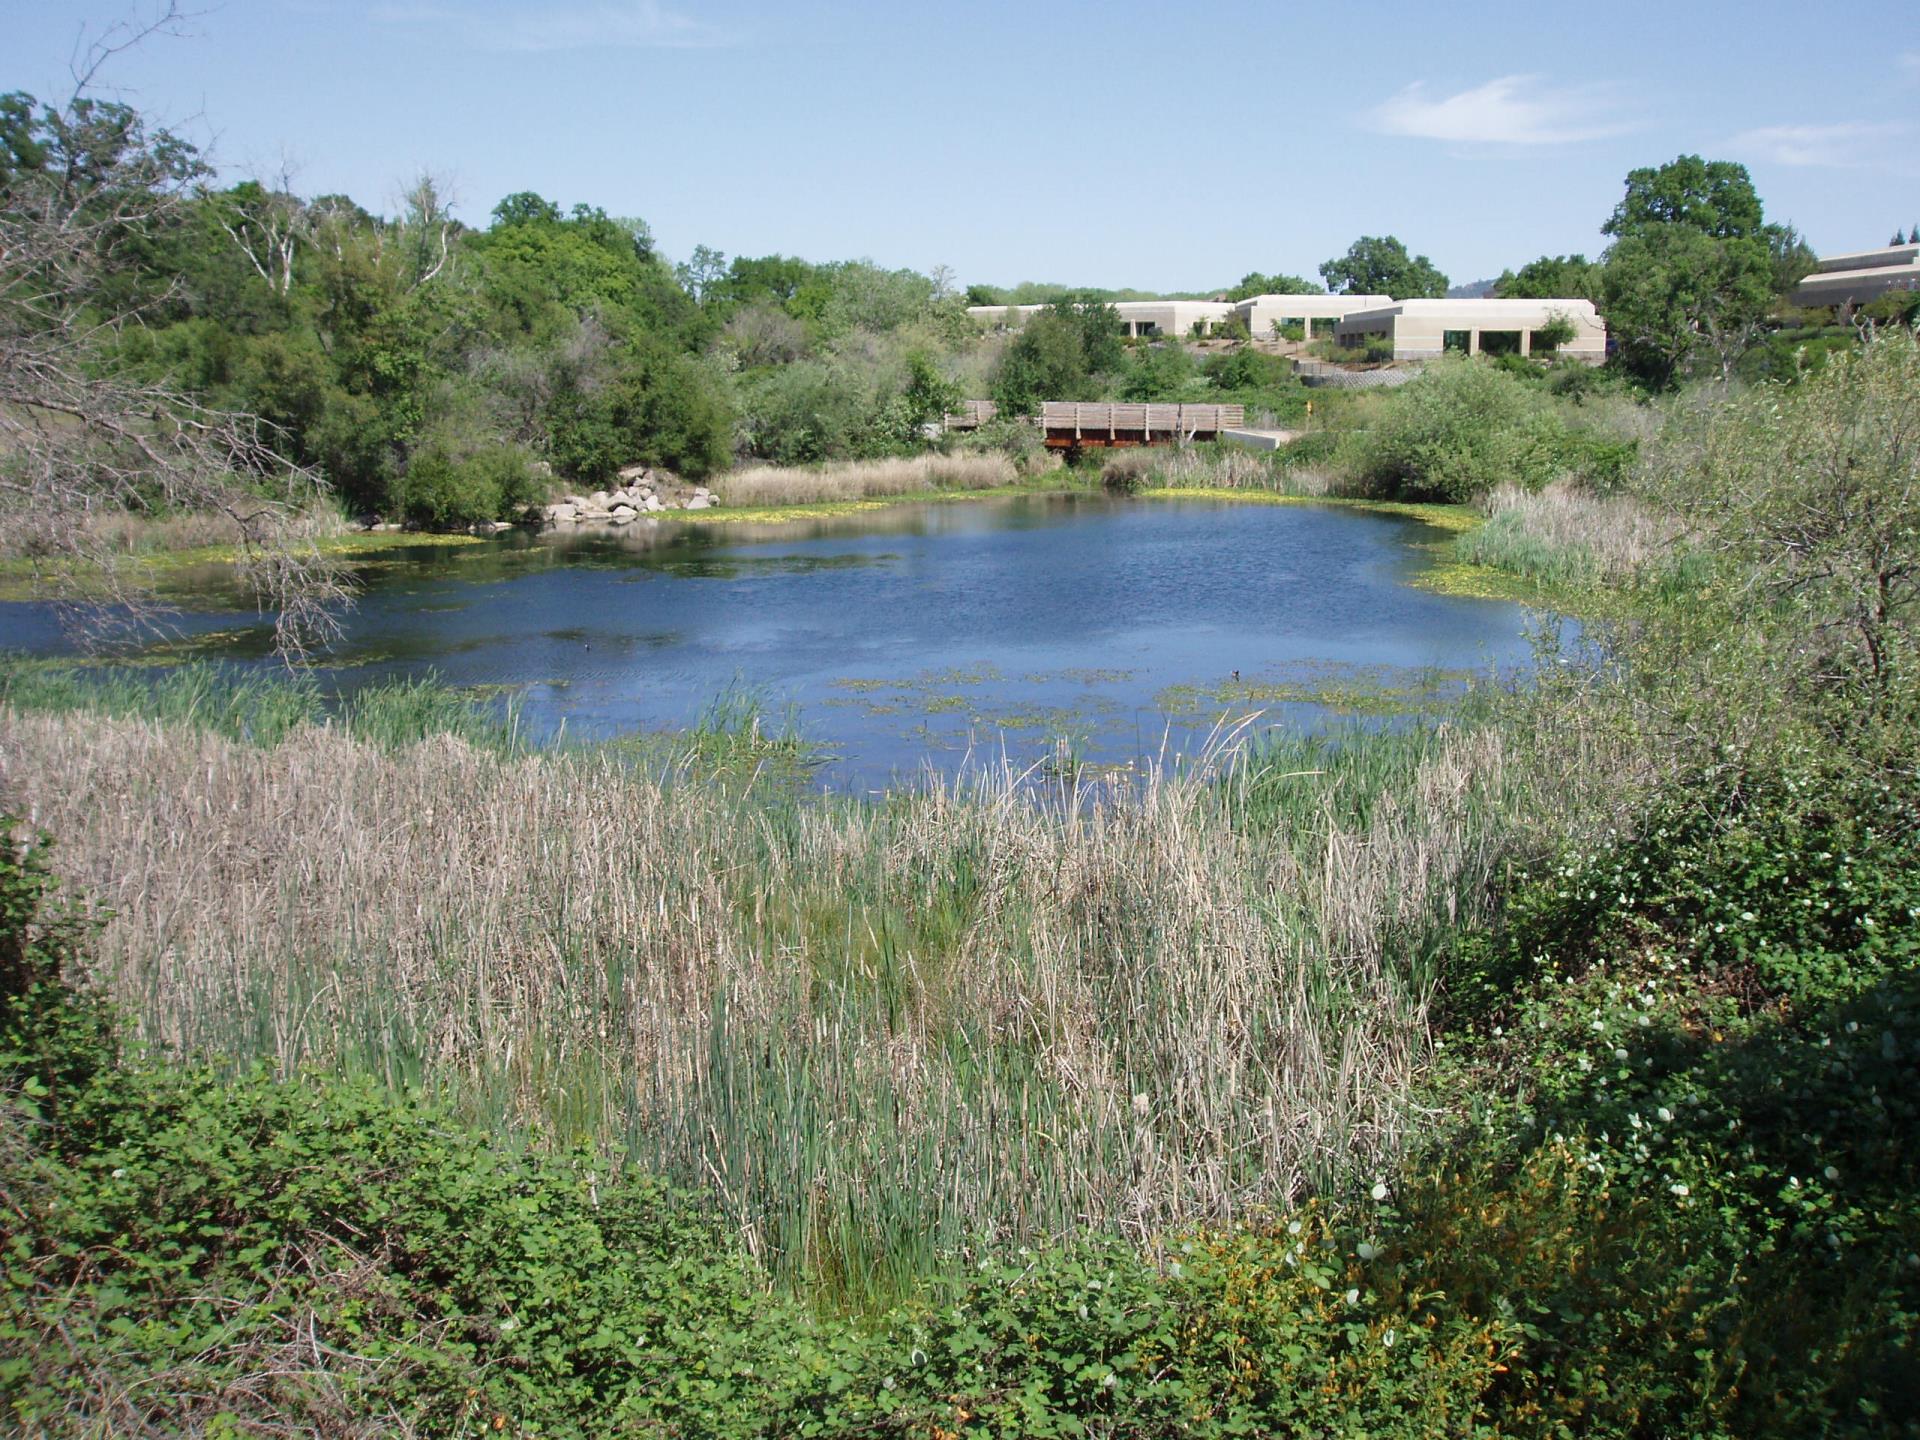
[[1254, 283], [1551, 277], [1694, 267], [1380, 265], [1057, 354], [1714, 197]]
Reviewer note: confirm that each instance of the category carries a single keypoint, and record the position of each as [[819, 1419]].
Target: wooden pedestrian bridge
[[1075, 424]]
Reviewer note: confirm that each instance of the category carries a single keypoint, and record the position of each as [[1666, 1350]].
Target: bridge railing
[[1084, 418]]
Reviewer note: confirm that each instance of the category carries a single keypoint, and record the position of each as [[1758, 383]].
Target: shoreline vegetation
[[22, 578]]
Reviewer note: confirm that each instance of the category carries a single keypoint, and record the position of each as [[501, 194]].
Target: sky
[[1116, 144]]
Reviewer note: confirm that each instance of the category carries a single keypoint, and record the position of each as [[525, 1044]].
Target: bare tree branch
[[80, 437]]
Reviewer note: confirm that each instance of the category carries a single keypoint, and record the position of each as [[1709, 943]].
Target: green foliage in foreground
[[187, 1253], [1721, 1018], [1695, 1215]]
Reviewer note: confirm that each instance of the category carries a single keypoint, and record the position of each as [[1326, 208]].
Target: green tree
[[929, 395], [1694, 267], [1673, 293], [1160, 372], [1380, 265], [1254, 283], [1551, 277], [523, 207], [1057, 355], [1715, 197], [767, 277], [542, 272], [1793, 259], [701, 270], [658, 407]]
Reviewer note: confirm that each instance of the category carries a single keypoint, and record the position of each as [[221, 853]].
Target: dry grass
[[1565, 534], [873, 1032], [864, 479], [1213, 467], [124, 533], [131, 534]]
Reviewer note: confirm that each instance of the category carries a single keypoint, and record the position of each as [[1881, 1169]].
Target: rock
[[622, 512], [699, 502], [652, 503], [563, 514], [635, 472], [600, 499]]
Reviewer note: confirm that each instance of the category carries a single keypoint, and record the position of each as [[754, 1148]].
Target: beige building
[[1320, 312], [1141, 317], [1859, 276], [1422, 329]]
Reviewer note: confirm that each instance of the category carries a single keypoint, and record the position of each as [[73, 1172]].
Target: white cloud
[[1834, 147], [615, 24], [1512, 110]]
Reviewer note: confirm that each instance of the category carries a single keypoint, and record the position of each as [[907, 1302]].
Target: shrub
[[440, 490], [1247, 369], [657, 407], [1127, 472], [1715, 1020], [1459, 430], [1558, 330]]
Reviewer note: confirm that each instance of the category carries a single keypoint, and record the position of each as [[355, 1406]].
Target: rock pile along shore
[[642, 491]]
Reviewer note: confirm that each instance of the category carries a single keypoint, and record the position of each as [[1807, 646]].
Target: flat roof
[[1884, 256], [1288, 299], [1478, 310]]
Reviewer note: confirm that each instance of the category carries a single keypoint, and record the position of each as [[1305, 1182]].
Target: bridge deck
[[1069, 423]]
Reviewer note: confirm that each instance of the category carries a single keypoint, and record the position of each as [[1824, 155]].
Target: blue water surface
[[926, 634]]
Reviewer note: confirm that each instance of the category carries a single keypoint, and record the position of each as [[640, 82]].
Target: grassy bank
[[769, 485], [1050, 482], [874, 1033], [28, 578]]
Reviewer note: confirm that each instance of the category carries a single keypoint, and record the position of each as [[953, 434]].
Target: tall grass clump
[[865, 479], [131, 533], [253, 707], [260, 707], [1568, 536], [411, 710], [1213, 467], [874, 1033]]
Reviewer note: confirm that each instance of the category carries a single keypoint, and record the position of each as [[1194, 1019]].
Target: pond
[[1018, 630]]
